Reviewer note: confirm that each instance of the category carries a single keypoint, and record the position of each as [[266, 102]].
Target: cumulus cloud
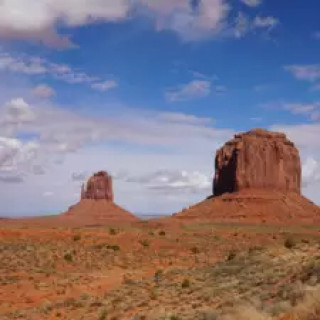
[[43, 91], [174, 181], [37, 20], [192, 90], [191, 20], [17, 112], [15, 158]]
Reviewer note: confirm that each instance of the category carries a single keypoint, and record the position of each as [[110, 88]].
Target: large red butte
[[257, 159]]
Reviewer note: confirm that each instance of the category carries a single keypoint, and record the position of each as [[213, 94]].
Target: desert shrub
[[195, 250], [145, 243], [289, 243], [112, 231], [245, 313], [185, 284], [68, 257], [103, 315], [77, 237], [309, 308], [113, 247], [162, 233], [232, 254], [209, 315]]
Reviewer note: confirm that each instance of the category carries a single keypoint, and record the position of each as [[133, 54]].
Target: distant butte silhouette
[[257, 179]]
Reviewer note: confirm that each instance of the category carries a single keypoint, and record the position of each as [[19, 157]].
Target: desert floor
[[158, 270]]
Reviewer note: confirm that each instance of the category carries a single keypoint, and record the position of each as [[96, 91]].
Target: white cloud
[[57, 131], [312, 110], [43, 91], [192, 90], [252, 3], [306, 136], [174, 181], [184, 118], [310, 172], [35, 66], [190, 20], [265, 22], [15, 158], [309, 72], [104, 86], [242, 25], [36, 20], [17, 112]]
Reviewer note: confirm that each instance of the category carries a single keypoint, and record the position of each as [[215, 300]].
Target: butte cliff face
[[98, 187], [257, 159], [257, 180]]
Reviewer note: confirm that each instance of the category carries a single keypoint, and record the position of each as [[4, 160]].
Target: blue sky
[[148, 89]]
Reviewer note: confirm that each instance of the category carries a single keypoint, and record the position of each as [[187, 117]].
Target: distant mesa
[[257, 179]]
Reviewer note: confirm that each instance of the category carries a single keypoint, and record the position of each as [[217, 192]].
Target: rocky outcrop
[[257, 159], [98, 187]]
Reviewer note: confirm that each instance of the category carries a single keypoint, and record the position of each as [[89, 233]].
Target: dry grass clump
[[309, 308], [245, 313]]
